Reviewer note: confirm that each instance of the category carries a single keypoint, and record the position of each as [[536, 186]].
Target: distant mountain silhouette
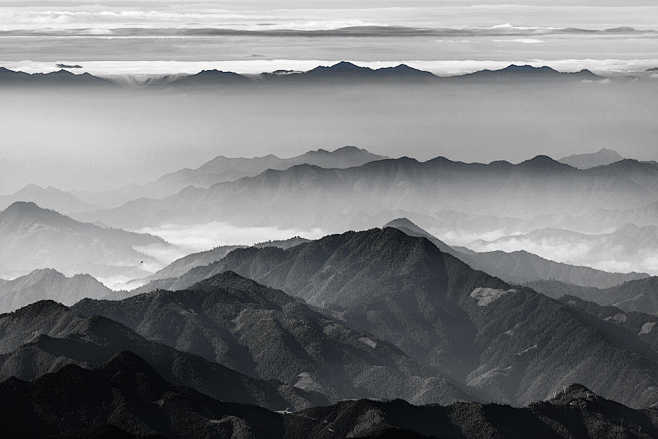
[[265, 333], [307, 196], [526, 72], [498, 339], [49, 198], [602, 157], [346, 72], [209, 78], [222, 169], [57, 78], [32, 237], [50, 284], [46, 336], [520, 266], [127, 398]]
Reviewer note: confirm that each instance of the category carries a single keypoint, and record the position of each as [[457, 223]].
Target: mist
[[102, 139]]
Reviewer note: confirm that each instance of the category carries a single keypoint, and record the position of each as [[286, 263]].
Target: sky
[[132, 37], [100, 142]]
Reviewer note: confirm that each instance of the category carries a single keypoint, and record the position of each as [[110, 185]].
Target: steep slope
[[601, 157], [510, 342], [32, 237], [124, 398], [640, 324], [638, 295], [50, 284], [186, 263], [49, 198], [265, 333], [520, 267], [45, 336], [337, 199]]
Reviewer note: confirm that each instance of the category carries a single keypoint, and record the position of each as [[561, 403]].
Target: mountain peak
[[543, 162], [602, 157], [573, 392]]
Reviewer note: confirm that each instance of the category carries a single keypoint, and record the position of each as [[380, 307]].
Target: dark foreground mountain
[[127, 398], [186, 263], [48, 198], [45, 336], [265, 333], [32, 237], [306, 196], [601, 157], [50, 284], [639, 295], [519, 267], [508, 342]]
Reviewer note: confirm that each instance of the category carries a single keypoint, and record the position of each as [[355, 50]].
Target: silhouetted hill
[[602, 157], [510, 342], [520, 266], [49, 198], [265, 333], [207, 78], [347, 72], [50, 284], [526, 72], [32, 237], [58, 78], [45, 336]]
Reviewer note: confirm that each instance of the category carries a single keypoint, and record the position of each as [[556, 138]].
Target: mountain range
[[222, 169], [267, 334], [32, 237], [127, 398], [43, 284], [343, 73], [506, 342], [59, 78], [45, 336], [307, 196]]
